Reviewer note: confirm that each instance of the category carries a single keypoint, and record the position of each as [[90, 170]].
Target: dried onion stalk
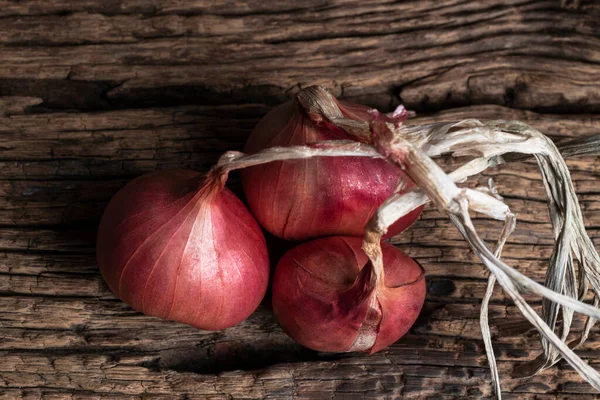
[[413, 148]]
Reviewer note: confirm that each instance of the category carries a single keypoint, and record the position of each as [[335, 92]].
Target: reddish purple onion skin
[[322, 196], [324, 298], [175, 246]]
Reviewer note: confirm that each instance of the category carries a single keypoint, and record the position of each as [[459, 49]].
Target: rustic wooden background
[[94, 93]]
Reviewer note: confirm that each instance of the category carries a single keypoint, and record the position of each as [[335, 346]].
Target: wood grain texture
[[94, 93]]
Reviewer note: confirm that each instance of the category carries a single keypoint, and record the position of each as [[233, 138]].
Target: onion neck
[[207, 186], [323, 109], [372, 247], [318, 104]]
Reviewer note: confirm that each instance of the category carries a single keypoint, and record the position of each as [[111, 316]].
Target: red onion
[[180, 246], [322, 196], [328, 297]]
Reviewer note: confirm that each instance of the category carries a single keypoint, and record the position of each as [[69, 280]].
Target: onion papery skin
[[321, 196], [325, 299], [179, 246]]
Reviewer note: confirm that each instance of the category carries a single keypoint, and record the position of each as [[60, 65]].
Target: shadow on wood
[[231, 355]]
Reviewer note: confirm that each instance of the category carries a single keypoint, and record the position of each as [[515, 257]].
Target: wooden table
[[94, 93]]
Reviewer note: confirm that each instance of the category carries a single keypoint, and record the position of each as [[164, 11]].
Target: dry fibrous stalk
[[488, 142], [574, 266]]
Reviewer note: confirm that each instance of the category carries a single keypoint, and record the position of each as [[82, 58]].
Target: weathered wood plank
[[95, 93], [366, 375], [72, 325], [224, 7], [85, 314], [81, 202], [297, 24], [114, 143], [420, 49], [66, 285], [427, 232], [468, 285], [451, 267], [440, 261]]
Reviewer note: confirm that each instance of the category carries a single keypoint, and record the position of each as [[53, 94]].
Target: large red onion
[[180, 246], [321, 196], [326, 295]]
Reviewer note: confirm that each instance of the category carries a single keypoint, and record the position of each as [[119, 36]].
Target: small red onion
[[322, 196], [179, 246], [326, 295]]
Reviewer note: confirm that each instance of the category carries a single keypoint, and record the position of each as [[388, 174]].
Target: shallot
[[181, 246], [328, 296], [298, 200]]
